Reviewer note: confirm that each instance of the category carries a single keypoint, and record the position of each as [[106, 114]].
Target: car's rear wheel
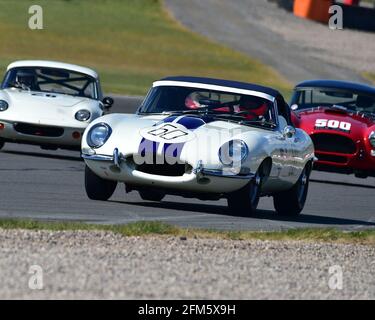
[[245, 201], [98, 188], [292, 202], [151, 195], [2, 143]]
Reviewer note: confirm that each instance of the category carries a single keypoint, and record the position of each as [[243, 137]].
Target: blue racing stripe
[[191, 123]]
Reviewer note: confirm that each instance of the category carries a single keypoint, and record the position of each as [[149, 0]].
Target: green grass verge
[[160, 228], [372, 2], [129, 42], [370, 76]]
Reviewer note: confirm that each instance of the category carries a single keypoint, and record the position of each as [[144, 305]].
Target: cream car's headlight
[[82, 115], [3, 105], [98, 135], [234, 151], [371, 138]]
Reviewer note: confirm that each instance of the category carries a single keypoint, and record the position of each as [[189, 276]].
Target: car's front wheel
[[292, 202], [98, 188], [245, 201]]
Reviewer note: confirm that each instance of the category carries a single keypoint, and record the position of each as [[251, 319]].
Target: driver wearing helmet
[[26, 79], [253, 107], [192, 101], [250, 107]]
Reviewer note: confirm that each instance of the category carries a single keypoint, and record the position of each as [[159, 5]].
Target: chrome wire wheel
[[292, 201], [255, 189], [245, 201], [302, 187]]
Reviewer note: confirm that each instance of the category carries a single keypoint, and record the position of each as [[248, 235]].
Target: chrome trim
[[222, 174], [116, 157], [97, 157], [202, 172], [371, 137]]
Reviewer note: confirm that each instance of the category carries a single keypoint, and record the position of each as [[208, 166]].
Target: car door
[[280, 149]]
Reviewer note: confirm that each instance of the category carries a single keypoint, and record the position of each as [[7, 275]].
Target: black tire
[[151, 195], [291, 203], [245, 201], [98, 188], [2, 143]]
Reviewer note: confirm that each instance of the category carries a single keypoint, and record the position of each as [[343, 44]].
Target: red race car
[[340, 118]]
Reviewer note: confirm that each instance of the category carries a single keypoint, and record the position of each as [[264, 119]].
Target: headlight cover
[[234, 151], [82, 115], [371, 138], [98, 135], [3, 105]]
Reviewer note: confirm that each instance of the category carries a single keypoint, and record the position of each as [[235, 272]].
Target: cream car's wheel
[[292, 202], [151, 195], [245, 201], [98, 188]]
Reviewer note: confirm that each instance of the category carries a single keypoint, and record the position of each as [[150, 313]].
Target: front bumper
[[200, 179], [70, 137]]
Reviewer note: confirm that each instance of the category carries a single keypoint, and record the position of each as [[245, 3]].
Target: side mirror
[[289, 132], [107, 102]]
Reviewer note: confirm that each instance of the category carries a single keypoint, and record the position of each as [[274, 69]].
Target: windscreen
[[51, 80], [176, 99], [327, 97]]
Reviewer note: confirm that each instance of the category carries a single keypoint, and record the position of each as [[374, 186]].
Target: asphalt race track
[[49, 185]]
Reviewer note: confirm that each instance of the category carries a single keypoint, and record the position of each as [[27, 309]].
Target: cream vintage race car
[[49, 103], [203, 138]]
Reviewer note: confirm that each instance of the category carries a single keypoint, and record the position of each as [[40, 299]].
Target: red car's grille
[[333, 143], [34, 130], [331, 158]]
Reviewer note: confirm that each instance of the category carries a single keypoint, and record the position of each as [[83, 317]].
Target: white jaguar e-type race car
[[49, 103], [203, 138]]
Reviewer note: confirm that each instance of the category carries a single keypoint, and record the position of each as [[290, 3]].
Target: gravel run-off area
[[104, 265]]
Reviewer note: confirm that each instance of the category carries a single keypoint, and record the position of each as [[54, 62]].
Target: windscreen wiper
[[260, 122], [205, 110], [339, 107], [367, 113]]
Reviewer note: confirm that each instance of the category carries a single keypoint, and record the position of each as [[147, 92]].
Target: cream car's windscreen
[[51, 80]]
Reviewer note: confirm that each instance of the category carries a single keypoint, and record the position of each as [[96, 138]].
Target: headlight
[[3, 105], [371, 138], [234, 151], [83, 115], [98, 135]]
